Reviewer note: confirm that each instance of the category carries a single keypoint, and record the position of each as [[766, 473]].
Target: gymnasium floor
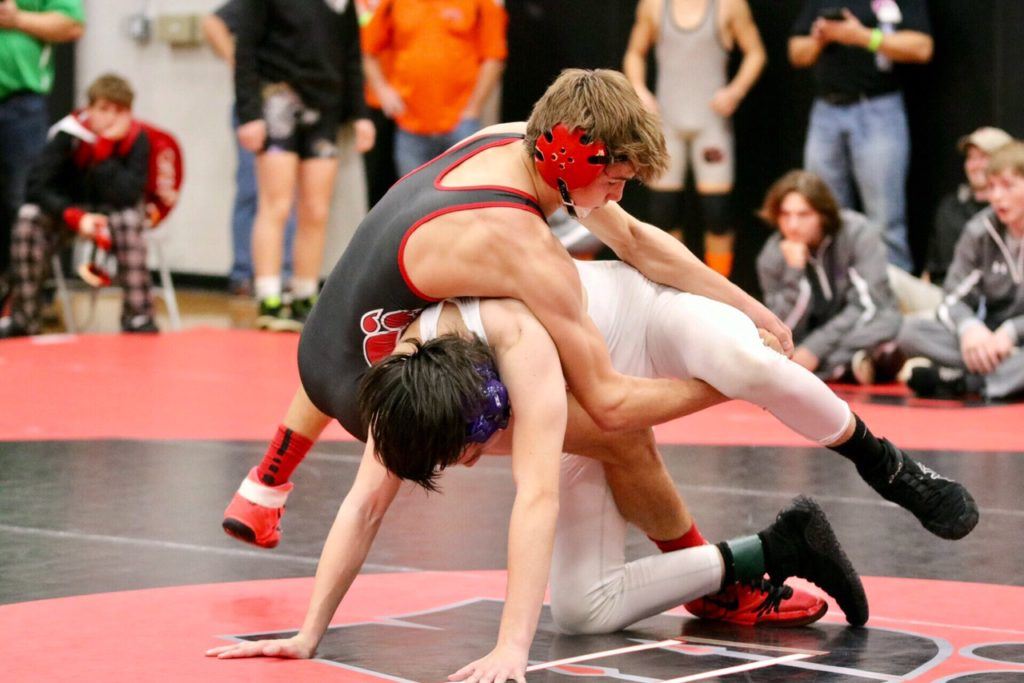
[[118, 455]]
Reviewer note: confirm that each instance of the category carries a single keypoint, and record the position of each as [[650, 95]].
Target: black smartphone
[[832, 13]]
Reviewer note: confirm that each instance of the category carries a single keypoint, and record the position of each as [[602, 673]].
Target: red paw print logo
[[381, 331]]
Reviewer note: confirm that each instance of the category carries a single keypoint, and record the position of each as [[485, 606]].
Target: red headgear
[[569, 158]]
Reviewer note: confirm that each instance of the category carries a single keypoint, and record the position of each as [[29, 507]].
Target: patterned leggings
[[36, 236]]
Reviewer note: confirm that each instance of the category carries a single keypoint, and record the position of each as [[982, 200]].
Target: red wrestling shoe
[[753, 606], [254, 514]]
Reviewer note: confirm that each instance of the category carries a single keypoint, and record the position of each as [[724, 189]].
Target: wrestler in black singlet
[[367, 300]]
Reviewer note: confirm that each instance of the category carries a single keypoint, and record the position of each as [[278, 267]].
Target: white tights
[[593, 588]]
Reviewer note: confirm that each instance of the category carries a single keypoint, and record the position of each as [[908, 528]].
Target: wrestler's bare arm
[[663, 259], [744, 31], [343, 555], [541, 275], [529, 367], [642, 38]]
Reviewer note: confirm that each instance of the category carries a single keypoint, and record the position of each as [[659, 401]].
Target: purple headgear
[[492, 411]]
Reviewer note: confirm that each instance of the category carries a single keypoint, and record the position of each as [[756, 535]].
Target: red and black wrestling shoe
[[254, 514], [751, 606]]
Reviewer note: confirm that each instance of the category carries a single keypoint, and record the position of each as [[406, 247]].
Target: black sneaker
[[271, 310], [943, 506], [9, 328], [296, 314], [937, 381], [801, 543], [139, 324]]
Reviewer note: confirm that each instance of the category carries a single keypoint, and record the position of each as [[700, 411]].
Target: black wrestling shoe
[[801, 543], [943, 506]]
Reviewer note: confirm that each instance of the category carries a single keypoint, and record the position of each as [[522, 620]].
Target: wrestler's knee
[[628, 448], [577, 614], [747, 370]]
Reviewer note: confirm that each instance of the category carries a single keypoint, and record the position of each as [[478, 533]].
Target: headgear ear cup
[[492, 412], [571, 157]]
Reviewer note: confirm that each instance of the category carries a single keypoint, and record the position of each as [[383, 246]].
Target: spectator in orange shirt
[[446, 57]]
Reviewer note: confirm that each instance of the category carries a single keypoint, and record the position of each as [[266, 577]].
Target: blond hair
[[1008, 157], [604, 104], [112, 88]]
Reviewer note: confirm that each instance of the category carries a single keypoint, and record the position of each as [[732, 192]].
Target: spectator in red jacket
[[89, 180]]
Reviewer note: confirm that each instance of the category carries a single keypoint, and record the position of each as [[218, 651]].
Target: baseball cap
[[988, 139]]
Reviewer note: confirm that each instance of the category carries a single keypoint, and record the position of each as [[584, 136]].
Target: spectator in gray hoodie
[[824, 274], [972, 344]]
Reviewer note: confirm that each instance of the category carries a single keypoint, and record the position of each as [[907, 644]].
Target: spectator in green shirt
[[27, 28]]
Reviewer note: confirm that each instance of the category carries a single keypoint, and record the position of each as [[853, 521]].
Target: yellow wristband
[[875, 41]]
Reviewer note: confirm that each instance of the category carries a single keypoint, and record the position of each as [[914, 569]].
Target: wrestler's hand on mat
[[288, 648], [502, 664], [770, 340]]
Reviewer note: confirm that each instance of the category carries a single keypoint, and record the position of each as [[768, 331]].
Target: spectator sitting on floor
[[958, 207], [972, 344], [921, 296], [824, 274], [89, 180]]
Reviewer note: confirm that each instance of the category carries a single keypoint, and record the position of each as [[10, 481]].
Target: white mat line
[[917, 622], [738, 668], [604, 653], [189, 547]]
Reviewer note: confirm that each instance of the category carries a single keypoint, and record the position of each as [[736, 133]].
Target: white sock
[[303, 288], [267, 286]]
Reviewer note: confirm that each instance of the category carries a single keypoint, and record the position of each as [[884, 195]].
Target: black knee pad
[[665, 209], [717, 212]]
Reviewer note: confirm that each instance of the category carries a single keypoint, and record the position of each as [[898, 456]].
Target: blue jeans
[[865, 147], [23, 124], [413, 150], [243, 214]]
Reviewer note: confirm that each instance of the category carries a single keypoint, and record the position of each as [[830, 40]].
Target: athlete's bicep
[[551, 289], [530, 368], [745, 30], [645, 30]]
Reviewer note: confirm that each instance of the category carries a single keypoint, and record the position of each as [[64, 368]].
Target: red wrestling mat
[[161, 634], [236, 384]]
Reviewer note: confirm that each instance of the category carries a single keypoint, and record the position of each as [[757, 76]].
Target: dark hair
[[415, 405], [112, 88], [812, 188]]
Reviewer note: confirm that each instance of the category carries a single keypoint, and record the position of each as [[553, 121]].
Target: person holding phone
[[857, 138]]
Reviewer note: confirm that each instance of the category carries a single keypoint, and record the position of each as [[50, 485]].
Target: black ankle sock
[[865, 451]]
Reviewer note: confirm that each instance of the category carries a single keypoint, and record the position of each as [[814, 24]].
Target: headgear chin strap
[[491, 413], [568, 160]]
